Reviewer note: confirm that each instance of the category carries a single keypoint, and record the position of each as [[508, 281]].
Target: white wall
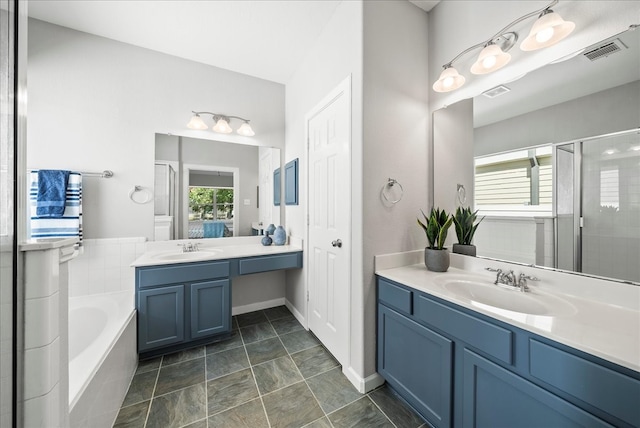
[[336, 55], [458, 25], [96, 104], [382, 45]]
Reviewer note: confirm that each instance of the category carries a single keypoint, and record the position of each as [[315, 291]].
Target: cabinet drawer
[[488, 338], [268, 263], [172, 274], [603, 388], [398, 298]]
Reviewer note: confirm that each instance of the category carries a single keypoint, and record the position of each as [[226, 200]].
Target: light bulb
[[448, 82], [489, 61], [544, 35], [222, 126], [245, 130], [196, 122]]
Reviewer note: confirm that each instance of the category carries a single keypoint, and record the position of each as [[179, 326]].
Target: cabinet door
[[494, 397], [210, 308], [417, 363], [160, 317]]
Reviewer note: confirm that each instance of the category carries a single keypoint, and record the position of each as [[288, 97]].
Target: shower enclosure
[[597, 204]]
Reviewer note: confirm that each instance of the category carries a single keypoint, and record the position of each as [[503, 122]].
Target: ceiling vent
[[605, 50], [496, 92]]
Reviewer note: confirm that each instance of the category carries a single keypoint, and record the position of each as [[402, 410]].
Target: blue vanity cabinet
[[416, 362], [160, 316], [180, 304], [460, 368]]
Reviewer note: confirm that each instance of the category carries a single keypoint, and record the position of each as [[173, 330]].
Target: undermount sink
[[202, 253], [485, 294]]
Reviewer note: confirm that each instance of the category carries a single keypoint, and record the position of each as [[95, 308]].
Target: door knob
[[337, 243]]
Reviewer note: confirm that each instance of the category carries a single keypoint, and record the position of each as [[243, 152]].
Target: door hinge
[[581, 221]]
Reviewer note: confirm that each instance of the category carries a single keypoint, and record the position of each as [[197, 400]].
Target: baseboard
[[301, 319], [363, 385], [237, 310]]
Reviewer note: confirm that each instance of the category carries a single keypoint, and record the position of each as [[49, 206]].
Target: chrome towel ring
[[388, 187], [140, 195]]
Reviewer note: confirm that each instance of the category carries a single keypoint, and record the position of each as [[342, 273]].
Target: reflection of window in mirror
[[210, 212], [519, 180]]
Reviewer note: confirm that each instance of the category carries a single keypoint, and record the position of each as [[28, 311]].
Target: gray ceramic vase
[[279, 236], [266, 240], [436, 260], [467, 250], [270, 229]]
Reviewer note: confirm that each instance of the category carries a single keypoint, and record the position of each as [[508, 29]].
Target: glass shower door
[[611, 206]]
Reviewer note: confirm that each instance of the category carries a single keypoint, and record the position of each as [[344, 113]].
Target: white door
[[329, 256]]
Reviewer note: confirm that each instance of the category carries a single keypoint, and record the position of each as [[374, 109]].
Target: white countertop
[[47, 243], [230, 248], [599, 326]]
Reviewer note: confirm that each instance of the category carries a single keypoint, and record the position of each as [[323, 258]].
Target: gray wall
[[615, 109], [97, 104]]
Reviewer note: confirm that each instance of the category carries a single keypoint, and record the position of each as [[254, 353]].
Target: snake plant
[[436, 226], [464, 221]]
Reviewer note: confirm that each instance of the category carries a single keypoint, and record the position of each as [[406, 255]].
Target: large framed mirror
[[212, 189], [552, 163]]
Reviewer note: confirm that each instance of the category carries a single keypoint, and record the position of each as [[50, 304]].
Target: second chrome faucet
[[509, 278]]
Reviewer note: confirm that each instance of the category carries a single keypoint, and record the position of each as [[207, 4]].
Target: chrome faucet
[[522, 281], [509, 278], [190, 247]]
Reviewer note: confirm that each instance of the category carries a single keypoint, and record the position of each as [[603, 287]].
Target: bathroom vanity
[[464, 355], [183, 299]]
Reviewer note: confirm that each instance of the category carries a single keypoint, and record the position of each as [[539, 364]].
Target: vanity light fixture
[[221, 123], [549, 29]]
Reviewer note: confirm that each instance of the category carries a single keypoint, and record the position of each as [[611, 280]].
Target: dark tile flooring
[[271, 373]]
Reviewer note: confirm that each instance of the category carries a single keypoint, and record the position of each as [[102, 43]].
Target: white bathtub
[[102, 356]]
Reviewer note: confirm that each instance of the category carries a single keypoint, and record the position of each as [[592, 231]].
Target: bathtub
[[102, 356]]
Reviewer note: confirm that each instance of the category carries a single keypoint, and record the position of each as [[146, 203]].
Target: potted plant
[[436, 226], [465, 225]]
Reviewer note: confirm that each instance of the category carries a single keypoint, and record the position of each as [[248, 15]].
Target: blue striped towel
[[52, 192], [70, 223]]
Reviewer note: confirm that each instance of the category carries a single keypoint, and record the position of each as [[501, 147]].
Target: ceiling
[[262, 38]]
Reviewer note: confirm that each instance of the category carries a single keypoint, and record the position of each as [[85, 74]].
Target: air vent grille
[[605, 50], [496, 92]]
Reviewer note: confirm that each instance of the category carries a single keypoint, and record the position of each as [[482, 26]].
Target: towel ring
[[144, 195], [462, 194], [390, 183]]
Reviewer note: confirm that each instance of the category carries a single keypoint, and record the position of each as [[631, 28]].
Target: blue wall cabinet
[[277, 186], [460, 368], [291, 183]]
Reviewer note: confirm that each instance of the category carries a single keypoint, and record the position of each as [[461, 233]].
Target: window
[[515, 181], [210, 203]]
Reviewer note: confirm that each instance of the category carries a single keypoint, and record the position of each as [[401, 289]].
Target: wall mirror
[[212, 189], [552, 161]]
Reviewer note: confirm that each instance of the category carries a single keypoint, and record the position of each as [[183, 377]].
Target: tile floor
[[271, 373]]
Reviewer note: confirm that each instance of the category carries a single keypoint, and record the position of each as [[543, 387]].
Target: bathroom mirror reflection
[[553, 163], [212, 189]]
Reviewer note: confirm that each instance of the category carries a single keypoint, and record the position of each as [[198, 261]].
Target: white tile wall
[[6, 314], [104, 266], [507, 239]]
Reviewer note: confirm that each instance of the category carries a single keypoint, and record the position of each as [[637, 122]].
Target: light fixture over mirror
[[548, 30], [221, 123]]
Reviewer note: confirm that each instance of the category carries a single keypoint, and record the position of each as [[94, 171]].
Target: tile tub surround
[[606, 322], [104, 266], [283, 378]]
